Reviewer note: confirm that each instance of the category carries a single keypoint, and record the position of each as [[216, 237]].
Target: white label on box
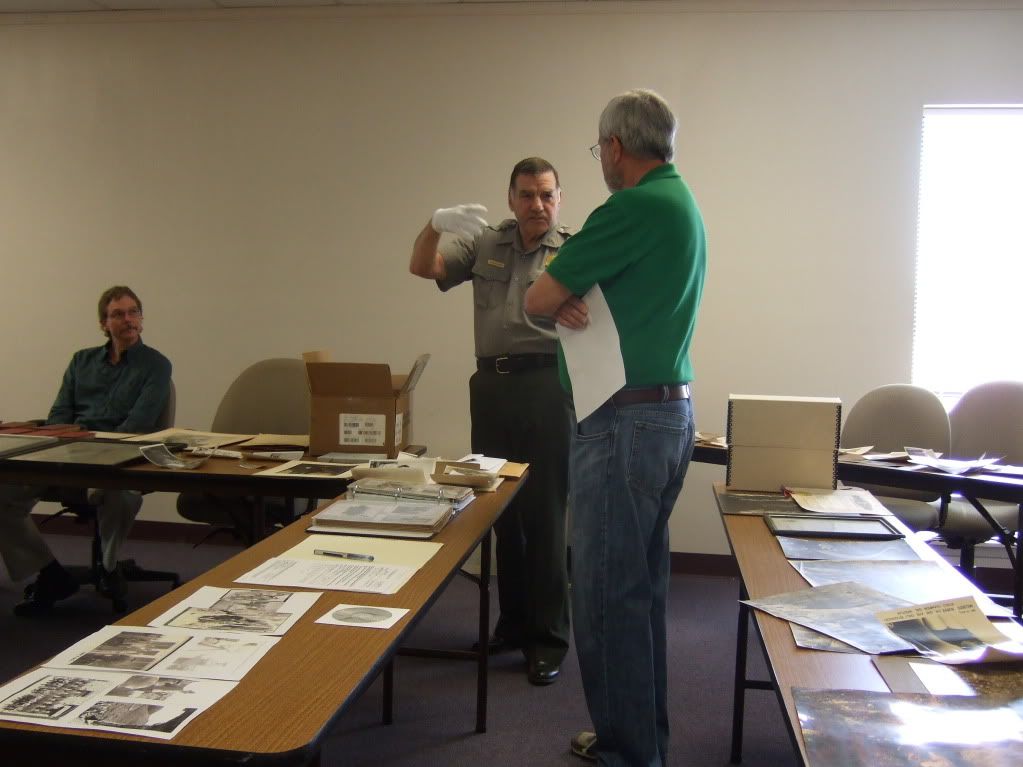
[[362, 429], [399, 420]]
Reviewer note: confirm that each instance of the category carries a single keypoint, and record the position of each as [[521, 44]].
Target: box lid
[[346, 379], [796, 422], [361, 379]]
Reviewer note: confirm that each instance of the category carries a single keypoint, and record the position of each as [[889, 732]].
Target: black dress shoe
[[50, 587], [498, 645], [543, 672]]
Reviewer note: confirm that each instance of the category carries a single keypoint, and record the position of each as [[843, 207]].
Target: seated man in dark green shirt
[[121, 386]]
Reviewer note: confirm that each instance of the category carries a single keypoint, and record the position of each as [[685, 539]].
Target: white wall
[[259, 178]]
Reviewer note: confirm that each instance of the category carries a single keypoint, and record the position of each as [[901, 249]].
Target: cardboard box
[[782, 441], [359, 407]]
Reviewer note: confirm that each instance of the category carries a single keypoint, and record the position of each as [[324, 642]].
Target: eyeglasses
[[131, 314], [595, 151]]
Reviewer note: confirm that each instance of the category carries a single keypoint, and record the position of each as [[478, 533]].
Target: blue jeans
[[626, 470]]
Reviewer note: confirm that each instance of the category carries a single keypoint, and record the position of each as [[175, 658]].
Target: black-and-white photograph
[[130, 651], [124, 715], [361, 614], [172, 652], [52, 697], [156, 706], [264, 600], [252, 621], [153, 687], [252, 611]]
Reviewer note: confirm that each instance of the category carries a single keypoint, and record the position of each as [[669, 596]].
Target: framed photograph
[[85, 452], [832, 526]]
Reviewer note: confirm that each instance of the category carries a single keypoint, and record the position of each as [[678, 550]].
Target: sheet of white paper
[[486, 463], [952, 631], [593, 356], [363, 616], [385, 551], [155, 706], [848, 500], [336, 576]]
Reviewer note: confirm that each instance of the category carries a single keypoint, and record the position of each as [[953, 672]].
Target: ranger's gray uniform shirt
[[501, 273]]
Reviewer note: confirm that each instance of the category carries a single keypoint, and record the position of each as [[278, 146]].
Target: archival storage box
[[358, 407], [782, 441]]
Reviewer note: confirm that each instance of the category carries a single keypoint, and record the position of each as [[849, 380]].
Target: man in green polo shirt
[[645, 248], [121, 386]]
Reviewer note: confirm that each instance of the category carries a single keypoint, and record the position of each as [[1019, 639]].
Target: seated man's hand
[[462, 220], [572, 314]]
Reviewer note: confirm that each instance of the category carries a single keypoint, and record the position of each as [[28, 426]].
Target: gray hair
[[643, 122]]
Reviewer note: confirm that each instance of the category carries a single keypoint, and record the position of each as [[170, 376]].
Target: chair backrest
[[166, 418], [989, 419], [897, 416], [271, 397]]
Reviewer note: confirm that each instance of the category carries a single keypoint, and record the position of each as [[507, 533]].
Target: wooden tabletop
[[765, 572], [222, 476], [282, 708]]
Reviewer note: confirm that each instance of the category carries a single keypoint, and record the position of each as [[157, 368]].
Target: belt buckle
[[497, 366]]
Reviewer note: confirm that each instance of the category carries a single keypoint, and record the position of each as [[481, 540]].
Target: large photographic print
[[253, 611], [156, 706]]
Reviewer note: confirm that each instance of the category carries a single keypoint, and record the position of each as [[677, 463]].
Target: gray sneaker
[[584, 745]]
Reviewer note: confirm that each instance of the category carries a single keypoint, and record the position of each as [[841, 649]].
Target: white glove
[[462, 220]]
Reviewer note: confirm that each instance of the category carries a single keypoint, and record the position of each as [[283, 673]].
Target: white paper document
[[954, 631], [151, 705], [384, 551], [252, 611], [334, 575], [930, 460], [593, 356], [848, 500], [176, 652]]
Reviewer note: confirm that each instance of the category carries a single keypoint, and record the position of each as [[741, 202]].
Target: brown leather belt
[[516, 363], [662, 393]]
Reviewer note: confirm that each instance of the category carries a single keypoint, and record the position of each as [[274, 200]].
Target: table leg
[[258, 519], [739, 685], [388, 715], [1017, 593], [484, 635]]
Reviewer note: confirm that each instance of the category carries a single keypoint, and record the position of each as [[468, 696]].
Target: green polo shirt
[[127, 397], [646, 248]]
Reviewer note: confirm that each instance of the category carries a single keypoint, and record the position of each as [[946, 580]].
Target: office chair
[[891, 418], [988, 419], [268, 397], [84, 505]]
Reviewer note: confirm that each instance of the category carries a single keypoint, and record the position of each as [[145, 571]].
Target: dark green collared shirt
[[127, 397]]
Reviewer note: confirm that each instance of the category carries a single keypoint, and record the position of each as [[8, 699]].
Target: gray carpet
[[435, 700]]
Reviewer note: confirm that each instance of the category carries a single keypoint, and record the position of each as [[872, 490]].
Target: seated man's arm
[[151, 401], [63, 409]]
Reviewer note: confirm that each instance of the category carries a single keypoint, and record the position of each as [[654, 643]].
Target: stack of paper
[[382, 517]]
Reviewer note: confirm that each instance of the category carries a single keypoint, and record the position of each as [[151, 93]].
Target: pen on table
[[344, 555]]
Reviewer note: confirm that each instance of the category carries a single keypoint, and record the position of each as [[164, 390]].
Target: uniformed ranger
[[517, 406]]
